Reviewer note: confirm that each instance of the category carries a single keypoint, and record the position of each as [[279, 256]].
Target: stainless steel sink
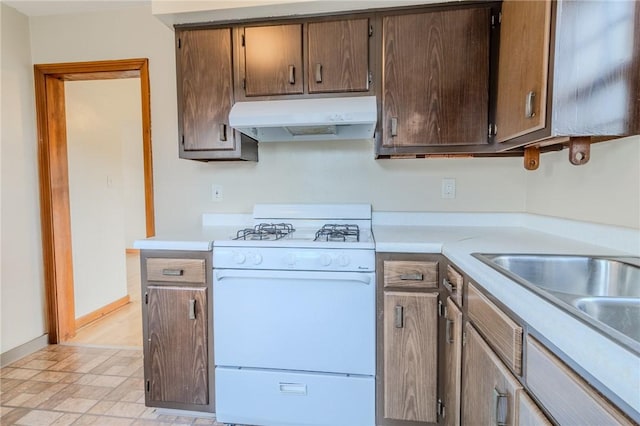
[[583, 275], [602, 290]]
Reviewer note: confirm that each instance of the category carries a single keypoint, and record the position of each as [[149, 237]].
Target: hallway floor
[[122, 327]]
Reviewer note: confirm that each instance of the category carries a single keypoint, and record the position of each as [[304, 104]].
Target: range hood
[[306, 119]]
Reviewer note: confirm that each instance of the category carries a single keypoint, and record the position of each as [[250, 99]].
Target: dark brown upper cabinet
[[273, 60], [568, 69], [338, 56], [205, 96], [435, 80]]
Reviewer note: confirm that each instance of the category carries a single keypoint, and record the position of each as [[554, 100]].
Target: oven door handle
[[363, 278]]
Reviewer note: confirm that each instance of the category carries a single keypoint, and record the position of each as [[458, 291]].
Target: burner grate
[[265, 231], [335, 232]]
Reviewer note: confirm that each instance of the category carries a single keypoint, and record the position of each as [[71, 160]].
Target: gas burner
[[265, 231], [335, 232]]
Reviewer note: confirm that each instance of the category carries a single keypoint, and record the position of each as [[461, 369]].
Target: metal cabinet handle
[[501, 407], [223, 132], [399, 316], [192, 309], [394, 126], [448, 334], [292, 74], [173, 272], [318, 73], [411, 277], [450, 287], [528, 106]]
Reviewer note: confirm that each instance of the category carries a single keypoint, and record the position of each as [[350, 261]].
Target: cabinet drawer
[[453, 282], [411, 274], [500, 330], [176, 270], [567, 397]]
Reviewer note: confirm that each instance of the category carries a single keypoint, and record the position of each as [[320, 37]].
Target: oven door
[[295, 320]]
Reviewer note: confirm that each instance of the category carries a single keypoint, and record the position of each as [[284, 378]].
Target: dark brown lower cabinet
[[488, 389], [178, 349], [178, 329]]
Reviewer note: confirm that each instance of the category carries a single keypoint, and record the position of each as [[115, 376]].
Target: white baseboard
[[12, 355]]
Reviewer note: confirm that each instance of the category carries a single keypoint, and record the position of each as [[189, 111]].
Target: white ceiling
[[69, 7]]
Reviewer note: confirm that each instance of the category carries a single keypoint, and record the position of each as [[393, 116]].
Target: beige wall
[[605, 190], [22, 313], [103, 128]]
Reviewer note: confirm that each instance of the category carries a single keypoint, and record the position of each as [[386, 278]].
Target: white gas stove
[[294, 318]]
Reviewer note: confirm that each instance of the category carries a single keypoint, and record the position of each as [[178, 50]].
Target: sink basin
[[576, 275], [603, 291], [623, 314]]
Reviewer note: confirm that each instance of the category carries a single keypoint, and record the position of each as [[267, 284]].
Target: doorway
[[54, 176]]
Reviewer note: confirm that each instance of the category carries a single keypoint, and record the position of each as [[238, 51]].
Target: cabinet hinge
[[242, 40], [441, 408], [464, 338], [244, 83], [146, 298], [370, 77], [370, 30], [182, 139], [179, 43], [442, 309], [493, 129], [148, 385]]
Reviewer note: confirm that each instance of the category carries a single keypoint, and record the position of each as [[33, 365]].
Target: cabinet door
[[178, 344], [205, 91], [453, 364], [338, 56], [436, 78], [529, 414], [273, 60], [523, 67], [410, 356], [489, 389]]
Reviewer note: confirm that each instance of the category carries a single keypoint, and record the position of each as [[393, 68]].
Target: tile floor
[[75, 385]]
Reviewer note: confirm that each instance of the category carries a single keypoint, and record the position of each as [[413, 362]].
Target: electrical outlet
[[216, 192], [448, 188]]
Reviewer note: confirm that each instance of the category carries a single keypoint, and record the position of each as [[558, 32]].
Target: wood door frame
[[54, 176]]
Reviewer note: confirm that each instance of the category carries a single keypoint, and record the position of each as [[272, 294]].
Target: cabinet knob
[[292, 74], [528, 106], [399, 316]]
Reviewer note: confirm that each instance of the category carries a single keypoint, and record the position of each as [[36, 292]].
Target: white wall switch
[[216, 192], [448, 188]]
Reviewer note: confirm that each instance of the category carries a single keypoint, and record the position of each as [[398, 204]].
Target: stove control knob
[[290, 259], [257, 259], [239, 258], [325, 260], [343, 260]]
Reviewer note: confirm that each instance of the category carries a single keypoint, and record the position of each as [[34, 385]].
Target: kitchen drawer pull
[[528, 106], [192, 309], [448, 334], [411, 277], [293, 388], [446, 284], [292, 74], [173, 272], [223, 132], [394, 126], [318, 73], [501, 407], [399, 316]]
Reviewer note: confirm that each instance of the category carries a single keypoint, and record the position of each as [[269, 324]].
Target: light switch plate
[[448, 188]]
